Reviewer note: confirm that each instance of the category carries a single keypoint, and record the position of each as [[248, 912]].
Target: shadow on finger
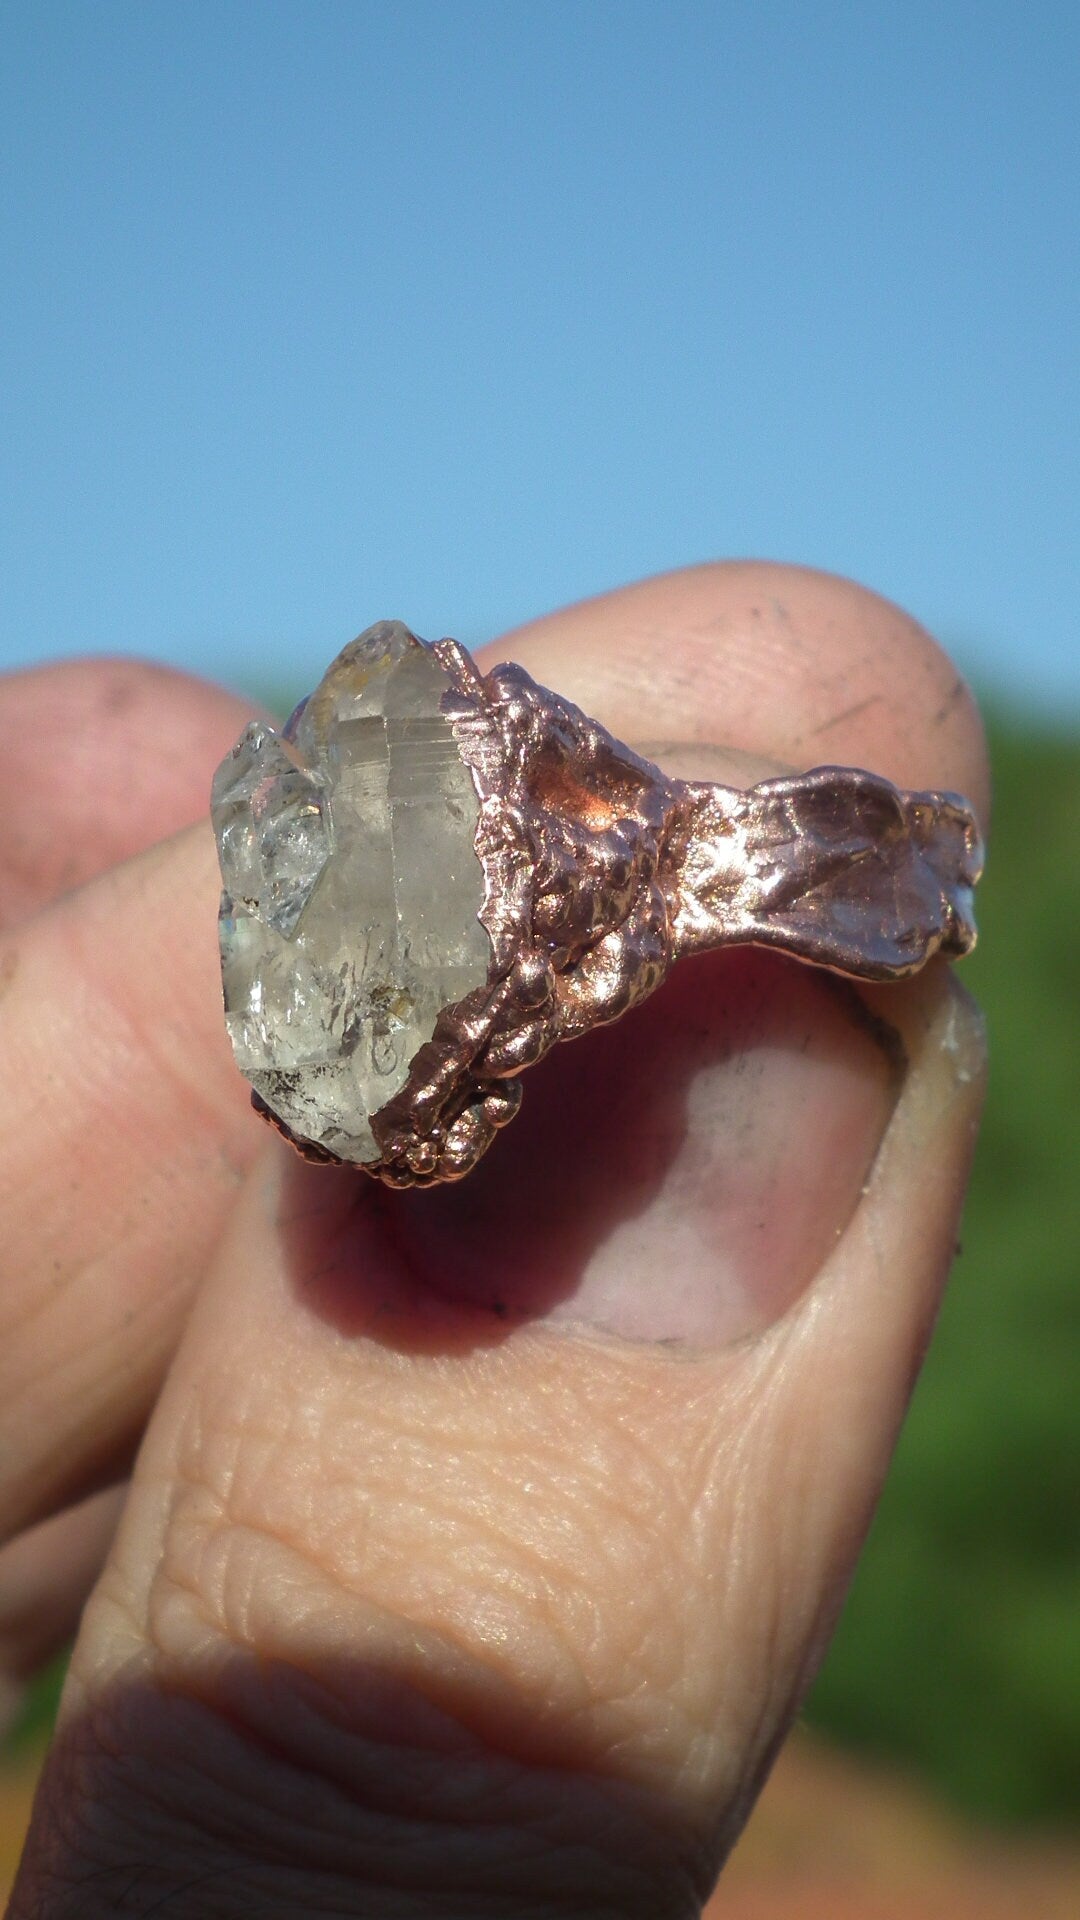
[[678, 1176], [418, 1783]]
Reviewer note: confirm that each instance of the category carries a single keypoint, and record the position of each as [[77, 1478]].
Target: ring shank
[[835, 866]]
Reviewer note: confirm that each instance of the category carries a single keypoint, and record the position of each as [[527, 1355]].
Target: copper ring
[[600, 871]]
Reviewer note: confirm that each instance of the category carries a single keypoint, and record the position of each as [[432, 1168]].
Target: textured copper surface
[[601, 872]]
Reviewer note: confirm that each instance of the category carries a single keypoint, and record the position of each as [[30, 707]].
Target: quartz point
[[352, 889]]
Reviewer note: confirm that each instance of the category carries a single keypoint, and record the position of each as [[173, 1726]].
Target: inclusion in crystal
[[352, 889]]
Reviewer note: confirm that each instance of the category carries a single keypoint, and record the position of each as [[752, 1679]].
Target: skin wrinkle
[[88, 1277], [321, 1734], [463, 1583], [846, 714], [187, 1531], [456, 1611], [90, 1067], [88, 1455], [20, 1398], [957, 692], [208, 1101], [221, 1825], [125, 1237], [736, 1569]]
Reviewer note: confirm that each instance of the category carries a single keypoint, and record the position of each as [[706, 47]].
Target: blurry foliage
[[34, 1723], [959, 1651], [958, 1655]]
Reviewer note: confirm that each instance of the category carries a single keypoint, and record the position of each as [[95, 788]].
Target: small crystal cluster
[[352, 889]]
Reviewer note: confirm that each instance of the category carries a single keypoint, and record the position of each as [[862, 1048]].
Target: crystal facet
[[349, 917]]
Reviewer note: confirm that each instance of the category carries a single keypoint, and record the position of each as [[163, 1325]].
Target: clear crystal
[[349, 918]]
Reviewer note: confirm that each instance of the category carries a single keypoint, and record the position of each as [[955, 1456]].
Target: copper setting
[[601, 871]]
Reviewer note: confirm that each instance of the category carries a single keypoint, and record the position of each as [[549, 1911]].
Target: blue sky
[[316, 313]]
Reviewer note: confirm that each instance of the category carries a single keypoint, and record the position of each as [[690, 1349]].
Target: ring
[[432, 875]]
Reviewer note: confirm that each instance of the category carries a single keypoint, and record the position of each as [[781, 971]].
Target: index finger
[[102, 757]]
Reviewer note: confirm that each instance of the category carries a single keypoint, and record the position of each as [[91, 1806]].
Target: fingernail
[[682, 1175]]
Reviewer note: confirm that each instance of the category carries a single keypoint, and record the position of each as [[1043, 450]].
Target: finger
[[126, 1131], [102, 757], [45, 1576], [493, 1612], [782, 662]]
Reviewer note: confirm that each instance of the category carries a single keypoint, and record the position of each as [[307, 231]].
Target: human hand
[[483, 1541]]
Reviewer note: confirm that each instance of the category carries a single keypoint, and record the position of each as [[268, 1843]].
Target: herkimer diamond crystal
[[349, 918]]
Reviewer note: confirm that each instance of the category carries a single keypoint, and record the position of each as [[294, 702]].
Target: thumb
[[420, 1608]]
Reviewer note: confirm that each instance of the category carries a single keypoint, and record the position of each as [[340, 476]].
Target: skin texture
[[481, 1543]]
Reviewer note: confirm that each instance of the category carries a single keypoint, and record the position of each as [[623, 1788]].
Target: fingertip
[[103, 756], [786, 662]]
